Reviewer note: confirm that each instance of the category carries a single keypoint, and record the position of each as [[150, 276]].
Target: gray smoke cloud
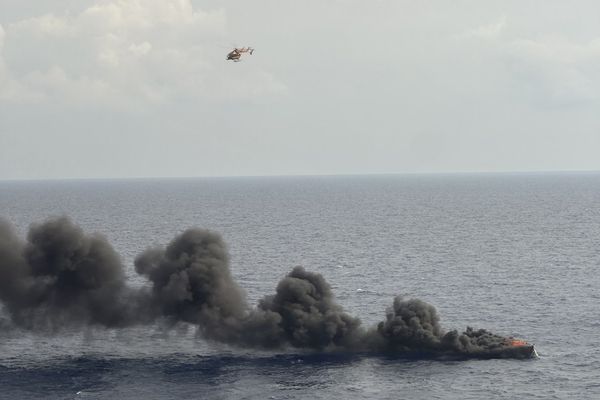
[[412, 324], [61, 276], [191, 280], [309, 316]]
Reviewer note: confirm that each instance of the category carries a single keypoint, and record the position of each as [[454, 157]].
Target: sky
[[141, 88]]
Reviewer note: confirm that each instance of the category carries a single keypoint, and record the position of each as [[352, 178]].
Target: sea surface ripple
[[517, 254]]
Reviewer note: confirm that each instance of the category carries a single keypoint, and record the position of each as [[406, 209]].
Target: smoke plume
[[308, 313], [191, 281], [62, 277]]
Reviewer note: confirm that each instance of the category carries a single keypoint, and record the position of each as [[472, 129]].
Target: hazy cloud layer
[[121, 54], [556, 69], [346, 86]]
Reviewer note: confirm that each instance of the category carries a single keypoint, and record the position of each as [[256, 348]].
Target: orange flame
[[517, 342]]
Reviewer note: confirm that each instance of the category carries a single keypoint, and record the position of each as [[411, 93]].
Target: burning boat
[[517, 348]]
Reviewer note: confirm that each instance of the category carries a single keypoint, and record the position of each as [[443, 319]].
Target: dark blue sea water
[[517, 254]]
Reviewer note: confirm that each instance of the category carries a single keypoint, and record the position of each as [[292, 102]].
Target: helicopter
[[236, 53]]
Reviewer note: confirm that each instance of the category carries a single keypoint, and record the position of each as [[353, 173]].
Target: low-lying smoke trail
[[61, 276]]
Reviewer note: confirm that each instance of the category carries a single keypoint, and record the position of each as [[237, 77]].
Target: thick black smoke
[[191, 281], [308, 313], [62, 277], [412, 324]]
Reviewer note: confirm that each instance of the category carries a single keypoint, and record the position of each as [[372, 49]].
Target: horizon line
[[305, 175]]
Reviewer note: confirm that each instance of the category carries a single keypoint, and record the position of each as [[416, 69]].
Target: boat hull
[[507, 352]]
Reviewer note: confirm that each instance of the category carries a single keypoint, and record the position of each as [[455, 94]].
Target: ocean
[[516, 254]]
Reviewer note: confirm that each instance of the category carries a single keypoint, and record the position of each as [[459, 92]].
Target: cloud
[[550, 69], [492, 30], [124, 54], [9, 88], [141, 49], [3, 70], [563, 72], [2, 35]]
